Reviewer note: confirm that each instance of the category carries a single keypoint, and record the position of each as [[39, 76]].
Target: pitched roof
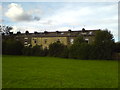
[[61, 33]]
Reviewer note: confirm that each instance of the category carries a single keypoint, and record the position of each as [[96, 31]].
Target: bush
[[12, 47], [58, 49], [45, 52], [79, 51], [27, 51], [104, 43], [37, 50]]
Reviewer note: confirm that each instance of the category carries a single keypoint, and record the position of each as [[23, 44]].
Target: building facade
[[46, 38], [65, 37]]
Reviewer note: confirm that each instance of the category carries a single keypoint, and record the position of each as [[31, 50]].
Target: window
[[87, 40], [25, 43], [69, 34], [35, 41], [71, 41], [84, 33], [45, 41], [26, 38], [58, 40], [90, 33], [62, 33]]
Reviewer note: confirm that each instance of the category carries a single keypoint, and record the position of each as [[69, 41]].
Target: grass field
[[48, 72]]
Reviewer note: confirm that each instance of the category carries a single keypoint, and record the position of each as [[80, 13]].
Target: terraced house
[[46, 38]]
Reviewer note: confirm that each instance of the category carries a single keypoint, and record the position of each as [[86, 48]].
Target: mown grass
[[49, 72]]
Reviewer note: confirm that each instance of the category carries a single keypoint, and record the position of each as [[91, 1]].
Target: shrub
[[37, 50], [58, 49], [12, 47], [79, 51], [27, 51]]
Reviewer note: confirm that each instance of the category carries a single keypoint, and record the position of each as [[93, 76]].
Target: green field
[[49, 72]]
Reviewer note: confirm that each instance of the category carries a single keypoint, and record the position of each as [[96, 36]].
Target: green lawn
[[48, 72]]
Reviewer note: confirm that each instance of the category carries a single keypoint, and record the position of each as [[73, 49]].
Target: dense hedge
[[11, 47], [102, 48]]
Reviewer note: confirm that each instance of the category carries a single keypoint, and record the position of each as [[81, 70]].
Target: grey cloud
[[16, 13], [36, 18]]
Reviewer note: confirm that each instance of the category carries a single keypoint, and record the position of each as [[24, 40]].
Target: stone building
[[46, 38], [65, 37]]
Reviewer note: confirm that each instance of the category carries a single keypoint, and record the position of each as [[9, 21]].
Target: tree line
[[103, 47]]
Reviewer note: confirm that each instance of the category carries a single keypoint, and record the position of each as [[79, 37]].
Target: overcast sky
[[61, 16]]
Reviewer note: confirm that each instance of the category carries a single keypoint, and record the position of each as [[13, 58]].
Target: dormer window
[[69, 30], [45, 32], [83, 30]]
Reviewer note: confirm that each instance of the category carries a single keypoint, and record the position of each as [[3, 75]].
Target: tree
[[27, 51], [104, 43], [103, 37], [37, 50], [117, 47], [57, 49], [12, 47], [79, 49], [5, 29], [45, 52], [79, 40]]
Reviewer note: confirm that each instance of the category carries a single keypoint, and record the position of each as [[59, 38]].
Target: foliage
[[79, 40], [103, 44], [57, 49], [5, 29], [45, 52], [11, 46], [27, 51], [103, 37], [80, 49], [117, 47], [102, 48], [37, 51], [34, 51]]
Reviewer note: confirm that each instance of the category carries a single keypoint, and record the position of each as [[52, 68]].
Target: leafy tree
[[45, 52], [27, 51], [57, 49], [37, 50], [12, 47], [104, 43], [5, 29], [103, 37], [80, 49], [117, 47], [79, 40]]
